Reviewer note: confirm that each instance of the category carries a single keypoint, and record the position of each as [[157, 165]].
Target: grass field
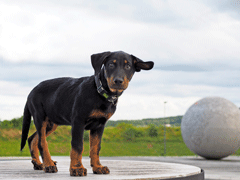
[[123, 140], [12, 148]]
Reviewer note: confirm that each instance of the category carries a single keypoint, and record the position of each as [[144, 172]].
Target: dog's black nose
[[118, 81]]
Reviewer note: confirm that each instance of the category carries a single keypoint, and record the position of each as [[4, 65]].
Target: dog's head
[[119, 68]]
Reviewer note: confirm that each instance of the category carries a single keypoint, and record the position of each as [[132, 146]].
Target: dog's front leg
[[76, 167], [95, 146]]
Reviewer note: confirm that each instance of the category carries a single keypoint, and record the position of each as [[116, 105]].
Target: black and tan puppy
[[84, 103]]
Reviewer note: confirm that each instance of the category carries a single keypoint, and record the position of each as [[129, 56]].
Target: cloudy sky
[[195, 46]]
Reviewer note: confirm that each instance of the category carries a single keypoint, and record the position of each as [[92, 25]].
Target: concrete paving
[[130, 168], [119, 169], [225, 169]]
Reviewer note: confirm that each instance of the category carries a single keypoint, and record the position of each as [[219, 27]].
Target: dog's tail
[[26, 125]]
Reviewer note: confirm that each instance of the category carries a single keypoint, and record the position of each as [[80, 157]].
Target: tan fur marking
[[114, 90], [99, 114], [94, 155], [125, 61], [34, 145], [114, 61], [34, 150], [110, 82], [52, 130], [76, 160], [46, 155], [94, 151], [124, 84]]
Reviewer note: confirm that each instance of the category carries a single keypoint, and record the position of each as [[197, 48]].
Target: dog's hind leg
[[42, 127], [51, 127], [33, 146]]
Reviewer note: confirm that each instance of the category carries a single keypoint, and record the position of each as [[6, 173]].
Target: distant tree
[[14, 123], [6, 124], [17, 123]]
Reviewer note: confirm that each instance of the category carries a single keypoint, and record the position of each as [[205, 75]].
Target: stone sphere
[[211, 128]]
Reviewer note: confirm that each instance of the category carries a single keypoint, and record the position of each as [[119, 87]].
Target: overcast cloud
[[194, 44]]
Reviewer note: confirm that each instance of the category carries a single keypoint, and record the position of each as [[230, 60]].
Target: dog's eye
[[111, 65], [127, 66]]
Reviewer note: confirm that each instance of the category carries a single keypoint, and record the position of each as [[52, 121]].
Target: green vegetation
[[176, 121], [122, 139]]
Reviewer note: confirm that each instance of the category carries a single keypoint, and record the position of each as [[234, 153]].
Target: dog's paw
[[37, 166], [50, 169], [101, 170], [78, 171]]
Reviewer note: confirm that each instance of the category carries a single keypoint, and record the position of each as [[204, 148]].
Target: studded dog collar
[[111, 98]]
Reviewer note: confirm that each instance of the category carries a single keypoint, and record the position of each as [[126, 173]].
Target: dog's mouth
[[119, 90]]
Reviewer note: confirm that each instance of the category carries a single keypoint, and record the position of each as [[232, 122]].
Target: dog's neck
[[103, 89]]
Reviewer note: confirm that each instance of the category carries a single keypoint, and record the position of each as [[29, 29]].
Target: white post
[[164, 111]]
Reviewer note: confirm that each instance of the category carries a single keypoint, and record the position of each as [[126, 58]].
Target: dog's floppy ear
[[139, 64], [98, 60]]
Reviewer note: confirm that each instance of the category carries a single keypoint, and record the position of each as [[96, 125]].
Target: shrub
[[138, 133], [152, 131], [128, 134], [131, 133]]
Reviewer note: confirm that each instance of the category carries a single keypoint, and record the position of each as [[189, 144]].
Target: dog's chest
[[99, 116], [103, 112]]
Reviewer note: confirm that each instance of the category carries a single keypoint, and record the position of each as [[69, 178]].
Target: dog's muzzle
[[117, 84]]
